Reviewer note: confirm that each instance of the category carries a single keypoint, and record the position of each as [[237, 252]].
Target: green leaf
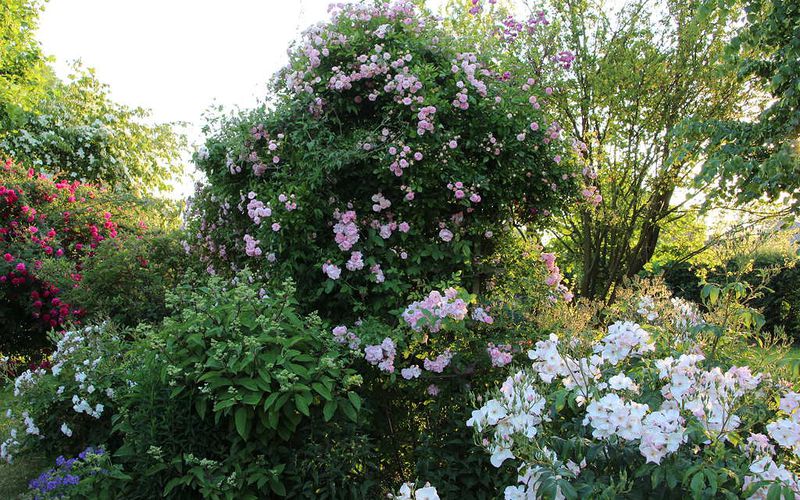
[[698, 484], [322, 390], [329, 410], [355, 399], [302, 404], [277, 487], [240, 419], [348, 410], [248, 383], [251, 398]]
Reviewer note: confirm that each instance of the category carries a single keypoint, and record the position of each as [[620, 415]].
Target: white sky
[[177, 57]]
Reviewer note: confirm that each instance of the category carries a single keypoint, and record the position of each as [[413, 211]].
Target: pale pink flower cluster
[[345, 229], [425, 117], [479, 314], [446, 235], [438, 364], [382, 355], [380, 202], [343, 336], [256, 210], [711, 396], [468, 63], [251, 246], [786, 431], [461, 192], [765, 469], [758, 444], [401, 160], [376, 271], [518, 409], [646, 308], [624, 339], [554, 277], [355, 262], [663, 433], [430, 311], [612, 415], [413, 371], [331, 271], [686, 314], [500, 354], [289, 202], [592, 196]]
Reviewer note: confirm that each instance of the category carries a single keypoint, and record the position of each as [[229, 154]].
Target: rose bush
[[48, 229], [639, 409], [391, 159]]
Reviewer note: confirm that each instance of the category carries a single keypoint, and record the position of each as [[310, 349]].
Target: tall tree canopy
[[759, 158], [73, 128]]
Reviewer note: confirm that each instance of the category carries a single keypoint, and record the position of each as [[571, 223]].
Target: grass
[[14, 477]]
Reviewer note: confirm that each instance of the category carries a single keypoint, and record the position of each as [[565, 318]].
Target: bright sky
[[177, 57]]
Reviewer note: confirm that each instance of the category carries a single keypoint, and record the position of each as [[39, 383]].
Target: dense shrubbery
[[51, 231], [655, 409], [772, 279], [399, 181], [393, 157]]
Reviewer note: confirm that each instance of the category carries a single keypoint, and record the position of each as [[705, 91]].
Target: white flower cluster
[[624, 339], [518, 410], [686, 314], [711, 396], [646, 308], [708, 397], [786, 431], [765, 469], [77, 372], [409, 491]]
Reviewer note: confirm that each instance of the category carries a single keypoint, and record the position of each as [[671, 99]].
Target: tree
[[75, 125], [759, 158], [635, 75]]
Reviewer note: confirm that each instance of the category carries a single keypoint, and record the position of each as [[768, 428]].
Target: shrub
[[126, 279], [642, 409], [48, 228], [66, 404], [392, 160], [233, 384]]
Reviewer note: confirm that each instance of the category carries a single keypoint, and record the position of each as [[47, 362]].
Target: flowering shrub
[[48, 224], [67, 405], [84, 476], [232, 386], [640, 408], [393, 159]]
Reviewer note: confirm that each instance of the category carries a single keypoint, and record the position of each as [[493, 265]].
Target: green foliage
[[50, 230], [73, 128], [757, 156], [67, 404], [332, 150], [127, 278], [638, 70], [241, 382], [76, 131]]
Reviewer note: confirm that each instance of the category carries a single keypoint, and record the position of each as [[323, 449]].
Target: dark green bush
[[127, 278]]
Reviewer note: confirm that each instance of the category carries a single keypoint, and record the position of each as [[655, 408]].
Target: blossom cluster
[[431, 311], [382, 355], [410, 491], [76, 382], [652, 410], [42, 218]]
